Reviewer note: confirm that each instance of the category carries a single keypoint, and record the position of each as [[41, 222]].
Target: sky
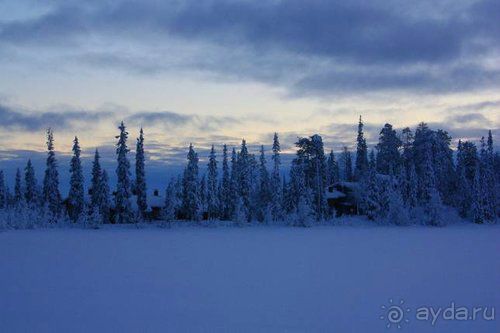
[[214, 72]]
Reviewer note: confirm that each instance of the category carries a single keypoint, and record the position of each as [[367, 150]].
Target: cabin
[[344, 198], [155, 205], [155, 202]]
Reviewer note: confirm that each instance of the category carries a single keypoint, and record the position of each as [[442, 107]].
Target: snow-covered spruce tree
[[441, 159], [397, 211], [477, 207], [370, 192], [408, 173], [30, 184], [411, 187], [276, 186], [51, 194], [99, 191], [202, 193], [105, 199], [388, 158], [95, 183], [171, 201], [289, 202], [93, 220], [3, 191], [212, 191], [240, 216], [9, 196], [299, 194], [140, 177], [123, 209], [191, 205], [18, 190], [76, 200], [347, 164], [263, 191], [422, 142], [244, 178], [318, 164], [487, 182], [311, 156], [234, 185], [444, 166], [496, 167], [372, 160], [254, 187], [407, 139], [332, 170], [225, 187], [295, 185], [464, 195], [494, 186], [470, 159], [430, 198], [304, 215], [465, 170], [361, 153]]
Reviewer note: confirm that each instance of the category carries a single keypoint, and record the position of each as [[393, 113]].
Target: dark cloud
[[317, 47], [480, 106], [161, 117], [11, 118], [69, 119], [468, 120], [359, 31], [168, 119]]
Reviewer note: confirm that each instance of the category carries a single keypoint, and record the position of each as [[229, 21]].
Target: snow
[[334, 194], [248, 279]]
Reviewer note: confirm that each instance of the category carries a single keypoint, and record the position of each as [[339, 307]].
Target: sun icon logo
[[395, 314]]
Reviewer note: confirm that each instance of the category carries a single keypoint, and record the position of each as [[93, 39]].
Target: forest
[[409, 177]]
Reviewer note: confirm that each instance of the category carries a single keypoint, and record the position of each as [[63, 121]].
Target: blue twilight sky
[[218, 71]]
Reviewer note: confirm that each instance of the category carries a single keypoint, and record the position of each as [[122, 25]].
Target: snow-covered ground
[[250, 279]]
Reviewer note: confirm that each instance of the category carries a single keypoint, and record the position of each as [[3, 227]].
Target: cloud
[[317, 47], [161, 117], [480, 106], [468, 120], [41, 120], [169, 120]]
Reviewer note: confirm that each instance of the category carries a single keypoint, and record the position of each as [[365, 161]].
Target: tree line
[[409, 177]]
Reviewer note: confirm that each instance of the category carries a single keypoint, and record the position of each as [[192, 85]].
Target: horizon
[[161, 169]]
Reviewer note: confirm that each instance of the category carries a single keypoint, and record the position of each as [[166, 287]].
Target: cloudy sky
[[218, 71]]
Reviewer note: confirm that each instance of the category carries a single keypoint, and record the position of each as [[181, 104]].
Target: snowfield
[[249, 279]]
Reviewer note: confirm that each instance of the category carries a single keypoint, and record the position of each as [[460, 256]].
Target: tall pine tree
[[18, 190], [123, 209], [332, 170], [225, 195], [51, 194], [361, 153], [76, 201], [264, 191], [388, 158], [30, 185], [212, 197], [140, 176], [245, 178], [347, 164], [3, 191], [191, 204], [276, 186], [99, 190]]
